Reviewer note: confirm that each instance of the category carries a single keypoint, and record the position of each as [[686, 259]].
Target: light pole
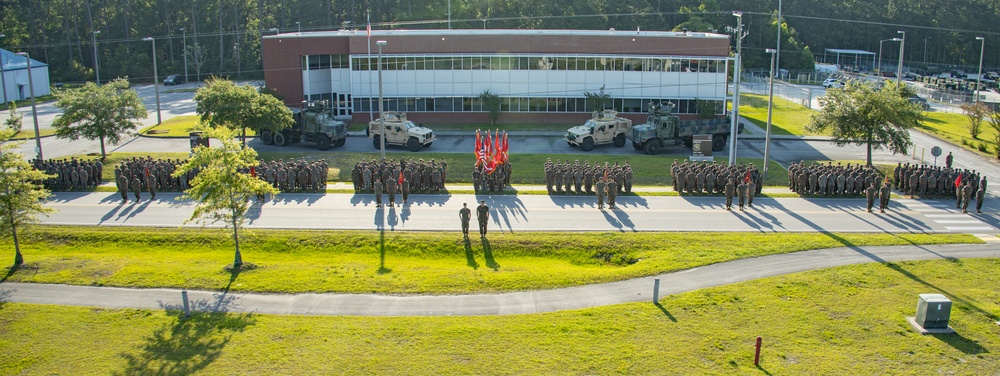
[[156, 80], [3, 79], [299, 25], [770, 102], [484, 24], [777, 58], [734, 128], [899, 70], [34, 112], [979, 77], [880, 54], [381, 115], [184, 41], [925, 49], [97, 65]]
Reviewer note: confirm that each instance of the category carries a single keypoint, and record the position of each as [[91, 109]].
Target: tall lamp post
[[979, 77], [734, 129], [3, 80], [299, 25], [156, 80], [770, 102], [381, 115], [880, 54], [184, 41], [902, 45], [97, 64], [34, 112]]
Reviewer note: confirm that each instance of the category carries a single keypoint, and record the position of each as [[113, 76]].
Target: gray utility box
[[933, 311]]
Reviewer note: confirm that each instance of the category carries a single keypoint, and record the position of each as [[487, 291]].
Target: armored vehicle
[[399, 131], [314, 122], [604, 128], [663, 129]]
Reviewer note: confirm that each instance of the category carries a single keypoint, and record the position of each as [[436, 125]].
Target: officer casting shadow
[[381, 253], [470, 259], [379, 220], [624, 219], [362, 199], [136, 209], [392, 220], [488, 255], [631, 200], [612, 220]]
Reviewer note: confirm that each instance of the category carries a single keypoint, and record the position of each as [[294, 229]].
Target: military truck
[[604, 128], [314, 122], [662, 129], [399, 131]]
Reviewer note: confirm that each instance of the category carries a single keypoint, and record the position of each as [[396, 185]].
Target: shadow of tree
[[5, 297], [188, 345]]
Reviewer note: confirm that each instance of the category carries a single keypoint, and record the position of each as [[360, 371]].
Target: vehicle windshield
[[652, 120], [590, 124], [409, 125]]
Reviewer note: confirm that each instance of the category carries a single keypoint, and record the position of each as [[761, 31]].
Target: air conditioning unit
[[933, 311]]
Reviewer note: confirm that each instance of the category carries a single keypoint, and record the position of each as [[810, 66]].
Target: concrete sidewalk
[[634, 290]]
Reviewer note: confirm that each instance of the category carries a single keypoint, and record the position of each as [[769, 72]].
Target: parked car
[[173, 79], [832, 83]]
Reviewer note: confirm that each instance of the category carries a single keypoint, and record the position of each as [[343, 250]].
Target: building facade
[[14, 73], [541, 76]]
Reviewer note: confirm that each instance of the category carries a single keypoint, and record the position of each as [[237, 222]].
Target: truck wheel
[[620, 140], [653, 147], [280, 139], [718, 142], [413, 145], [587, 144], [267, 138], [636, 146], [322, 142], [376, 143], [340, 142]]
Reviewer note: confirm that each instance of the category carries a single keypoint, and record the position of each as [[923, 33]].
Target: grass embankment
[[787, 118], [178, 126], [955, 129], [395, 263], [846, 320], [29, 134]]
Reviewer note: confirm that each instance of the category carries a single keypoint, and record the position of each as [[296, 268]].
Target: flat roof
[[849, 52], [499, 32]]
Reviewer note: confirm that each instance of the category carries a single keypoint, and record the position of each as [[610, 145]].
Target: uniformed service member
[[378, 193], [966, 196], [465, 215], [405, 190], [980, 195], [741, 192], [730, 191], [870, 195], [122, 183], [136, 186], [602, 188], [612, 188], [483, 215]]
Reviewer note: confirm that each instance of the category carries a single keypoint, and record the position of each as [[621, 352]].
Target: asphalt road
[[541, 213]]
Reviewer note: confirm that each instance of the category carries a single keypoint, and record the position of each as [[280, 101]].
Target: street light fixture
[[880, 52], [299, 25], [734, 128], [3, 80], [97, 65], [381, 114], [156, 80], [902, 45], [34, 111], [184, 40], [770, 102], [979, 77]]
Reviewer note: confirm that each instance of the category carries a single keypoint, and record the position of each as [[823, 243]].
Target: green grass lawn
[[29, 134], [395, 262], [955, 129], [787, 118], [518, 127], [845, 320], [178, 126]]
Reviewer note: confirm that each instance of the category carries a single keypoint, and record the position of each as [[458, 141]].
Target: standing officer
[[122, 183], [612, 193], [966, 196], [949, 160], [884, 197], [404, 188], [465, 215], [980, 195], [741, 191], [751, 190], [483, 215], [602, 188], [378, 193], [137, 187], [730, 192], [870, 195], [151, 185], [390, 188]]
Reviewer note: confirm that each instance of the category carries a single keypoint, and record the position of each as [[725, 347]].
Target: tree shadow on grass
[[187, 345], [5, 297]]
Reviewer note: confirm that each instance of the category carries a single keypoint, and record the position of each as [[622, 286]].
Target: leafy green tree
[[491, 102], [16, 119], [98, 112], [222, 103], [975, 113], [862, 115], [223, 185], [598, 100], [994, 118], [21, 196]]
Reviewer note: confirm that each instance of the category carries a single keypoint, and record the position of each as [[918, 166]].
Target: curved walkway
[[634, 290]]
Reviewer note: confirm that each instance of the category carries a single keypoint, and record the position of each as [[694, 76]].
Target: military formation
[[70, 175], [829, 180], [294, 176], [564, 178], [702, 178], [484, 181], [921, 180], [139, 175], [401, 177]]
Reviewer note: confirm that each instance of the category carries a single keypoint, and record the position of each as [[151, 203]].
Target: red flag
[[958, 181], [147, 171], [746, 179], [505, 147], [253, 171], [369, 28], [496, 142], [400, 181], [479, 145]]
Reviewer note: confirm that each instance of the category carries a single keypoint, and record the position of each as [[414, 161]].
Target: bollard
[[922, 152], [187, 308], [756, 356], [656, 291]]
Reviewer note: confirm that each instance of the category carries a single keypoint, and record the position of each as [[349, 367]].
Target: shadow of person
[[379, 220], [488, 255], [392, 220], [470, 259], [381, 253]]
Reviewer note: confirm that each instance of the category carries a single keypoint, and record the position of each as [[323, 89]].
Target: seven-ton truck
[[662, 129], [314, 122]]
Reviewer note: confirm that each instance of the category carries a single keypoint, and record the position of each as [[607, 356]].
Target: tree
[[197, 55], [16, 120], [223, 185], [995, 124], [861, 115], [598, 100], [222, 103], [98, 112], [21, 196], [491, 102], [975, 113]]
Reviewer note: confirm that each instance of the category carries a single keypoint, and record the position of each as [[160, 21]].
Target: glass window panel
[[505, 104]]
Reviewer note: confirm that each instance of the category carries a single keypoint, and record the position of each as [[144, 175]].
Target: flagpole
[[371, 107]]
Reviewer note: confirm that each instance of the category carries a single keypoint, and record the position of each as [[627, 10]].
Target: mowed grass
[[178, 126], [396, 262], [787, 118], [955, 129], [845, 320]]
